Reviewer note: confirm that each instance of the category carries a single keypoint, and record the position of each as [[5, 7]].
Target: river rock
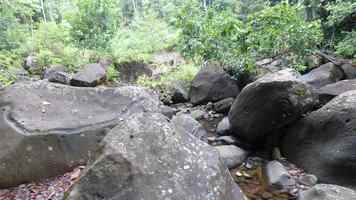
[[232, 156], [90, 76], [47, 129], [323, 143], [323, 75], [223, 106], [278, 176], [327, 192], [212, 85], [146, 157], [268, 104], [330, 91]]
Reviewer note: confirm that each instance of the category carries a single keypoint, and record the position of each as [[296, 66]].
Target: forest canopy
[[236, 33]]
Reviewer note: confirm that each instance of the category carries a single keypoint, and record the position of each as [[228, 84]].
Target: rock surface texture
[[146, 157], [271, 102], [324, 142], [328, 192], [46, 129]]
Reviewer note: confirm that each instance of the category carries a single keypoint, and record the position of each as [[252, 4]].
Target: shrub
[[346, 47], [142, 38], [184, 74], [94, 23], [281, 31], [9, 64], [51, 44]]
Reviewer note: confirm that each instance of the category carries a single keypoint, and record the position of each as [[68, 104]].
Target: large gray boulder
[[212, 85], [90, 76], [268, 104], [323, 75], [327, 192], [146, 157], [47, 129], [324, 143], [330, 91]]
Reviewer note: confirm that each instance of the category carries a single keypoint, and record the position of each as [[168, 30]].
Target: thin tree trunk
[[43, 11]]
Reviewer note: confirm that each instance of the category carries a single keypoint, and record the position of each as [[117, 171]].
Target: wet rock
[[146, 157], [47, 129], [190, 125], [223, 106], [327, 192], [223, 127], [330, 91], [232, 156], [323, 143], [323, 75], [308, 180], [278, 176], [90, 76], [268, 104], [212, 85]]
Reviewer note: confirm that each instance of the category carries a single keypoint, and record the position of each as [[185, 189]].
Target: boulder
[[53, 69], [327, 192], [332, 90], [188, 123], [323, 75], [179, 93], [232, 156], [212, 85], [324, 144], [47, 129], [90, 76], [131, 71], [268, 104], [31, 65], [349, 70], [59, 77], [146, 157], [223, 106]]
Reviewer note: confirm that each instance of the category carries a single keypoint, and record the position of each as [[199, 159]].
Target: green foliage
[[112, 74], [51, 44], [235, 41], [281, 30], [142, 38], [183, 74], [339, 10], [9, 63], [346, 47], [94, 23]]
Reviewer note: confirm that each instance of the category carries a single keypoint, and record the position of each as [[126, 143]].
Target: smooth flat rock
[[47, 129]]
